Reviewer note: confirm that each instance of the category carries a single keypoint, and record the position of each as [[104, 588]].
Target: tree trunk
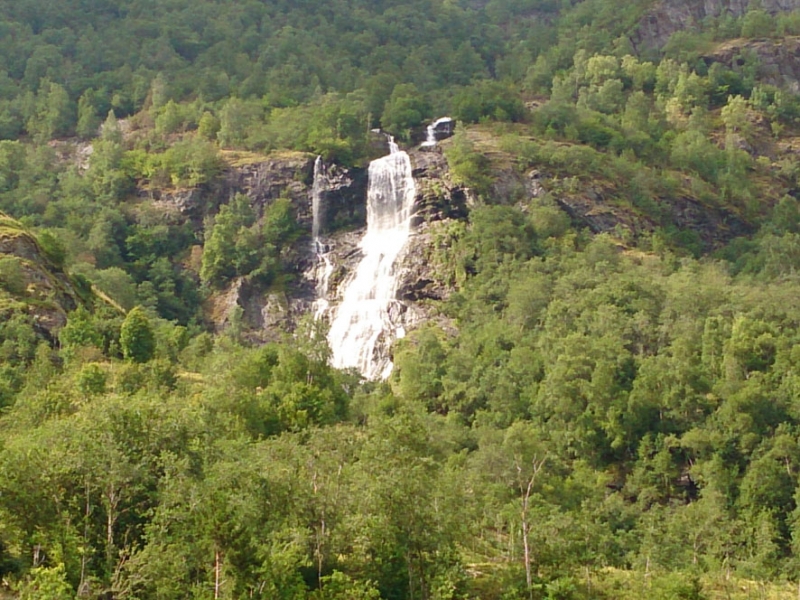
[[526, 547], [526, 490], [84, 554], [217, 582]]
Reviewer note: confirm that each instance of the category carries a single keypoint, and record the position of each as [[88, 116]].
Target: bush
[[136, 337], [12, 279], [692, 151], [91, 380], [53, 248], [47, 583], [467, 166], [758, 24], [488, 100]]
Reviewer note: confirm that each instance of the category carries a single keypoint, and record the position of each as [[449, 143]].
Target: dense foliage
[[602, 416]]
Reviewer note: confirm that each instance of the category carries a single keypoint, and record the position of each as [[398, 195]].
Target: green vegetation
[[591, 415]]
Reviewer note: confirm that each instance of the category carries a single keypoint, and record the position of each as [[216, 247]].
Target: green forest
[[607, 405]]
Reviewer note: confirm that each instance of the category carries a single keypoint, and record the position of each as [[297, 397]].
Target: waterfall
[[431, 140], [362, 326], [431, 137], [324, 267], [316, 198]]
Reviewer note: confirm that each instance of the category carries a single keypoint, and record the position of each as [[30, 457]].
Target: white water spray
[[362, 326]]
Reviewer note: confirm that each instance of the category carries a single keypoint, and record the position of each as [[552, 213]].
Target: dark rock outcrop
[[419, 278], [284, 175], [263, 181], [599, 211], [439, 202], [343, 199], [669, 16], [438, 197], [778, 60], [33, 284]]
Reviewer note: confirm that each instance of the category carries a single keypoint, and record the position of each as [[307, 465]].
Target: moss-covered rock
[[33, 283]]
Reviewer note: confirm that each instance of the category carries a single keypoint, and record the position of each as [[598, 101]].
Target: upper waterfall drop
[[430, 139], [362, 327], [433, 129]]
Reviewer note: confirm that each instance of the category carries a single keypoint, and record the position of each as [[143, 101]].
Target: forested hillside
[[601, 401]]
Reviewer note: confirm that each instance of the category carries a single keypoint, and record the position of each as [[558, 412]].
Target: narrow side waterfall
[[430, 139], [320, 175], [362, 327], [433, 128], [324, 267]]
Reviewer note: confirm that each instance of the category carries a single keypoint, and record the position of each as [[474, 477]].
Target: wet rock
[[443, 128], [600, 212], [343, 199]]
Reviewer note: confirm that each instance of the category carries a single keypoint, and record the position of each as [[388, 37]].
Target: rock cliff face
[[261, 180], [439, 201], [32, 284], [669, 16], [595, 208], [778, 60], [264, 314]]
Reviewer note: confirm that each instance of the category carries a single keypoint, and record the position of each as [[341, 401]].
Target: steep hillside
[[33, 282]]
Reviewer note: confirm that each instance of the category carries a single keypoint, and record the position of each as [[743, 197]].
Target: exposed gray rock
[[345, 254], [263, 182], [443, 128], [46, 293], [778, 60], [185, 204], [593, 208], [437, 196], [343, 199], [669, 16], [266, 314], [419, 278]]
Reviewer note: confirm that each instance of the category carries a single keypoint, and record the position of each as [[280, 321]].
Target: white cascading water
[[316, 198], [324, 267], [431, 137], [431, 132], [362, 322]]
